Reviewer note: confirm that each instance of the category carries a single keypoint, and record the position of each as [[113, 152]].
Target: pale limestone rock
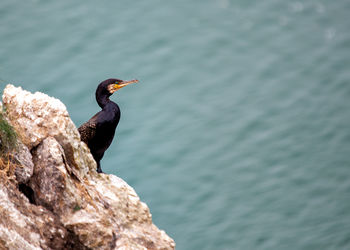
[[22, 155], [26, 226], [25, 168], [101, 211], [37, 116]]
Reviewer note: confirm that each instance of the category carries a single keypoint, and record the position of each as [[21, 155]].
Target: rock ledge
[[51, 195]]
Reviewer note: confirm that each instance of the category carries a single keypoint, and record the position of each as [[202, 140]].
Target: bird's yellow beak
[[125, 83], [122, 84]]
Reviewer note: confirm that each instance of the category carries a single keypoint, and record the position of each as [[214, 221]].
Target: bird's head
[[109, 86], [118, 84]]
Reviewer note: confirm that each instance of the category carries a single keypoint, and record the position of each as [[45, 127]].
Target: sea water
[[237, 136]]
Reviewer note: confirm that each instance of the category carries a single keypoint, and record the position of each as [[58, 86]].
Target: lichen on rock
[[55, 173]]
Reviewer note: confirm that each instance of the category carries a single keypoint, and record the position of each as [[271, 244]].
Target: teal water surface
[[237, 136]]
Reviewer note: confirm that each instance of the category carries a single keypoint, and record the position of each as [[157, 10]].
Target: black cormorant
[[98, 132]]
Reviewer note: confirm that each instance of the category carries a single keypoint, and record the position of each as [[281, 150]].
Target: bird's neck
[[103, 101]]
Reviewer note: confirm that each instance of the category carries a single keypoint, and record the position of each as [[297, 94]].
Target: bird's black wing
[[88, 129]]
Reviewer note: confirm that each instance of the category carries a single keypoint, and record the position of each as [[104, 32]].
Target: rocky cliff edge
[[51, 196]]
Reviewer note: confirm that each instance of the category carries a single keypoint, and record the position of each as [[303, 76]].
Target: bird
[[98, 132]]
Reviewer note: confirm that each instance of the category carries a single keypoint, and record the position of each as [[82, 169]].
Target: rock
[[18, 151], [95, 211], [24, 170], [37, 116], [26, 226]]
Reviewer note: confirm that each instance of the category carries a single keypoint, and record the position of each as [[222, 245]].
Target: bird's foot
[[99, 170]]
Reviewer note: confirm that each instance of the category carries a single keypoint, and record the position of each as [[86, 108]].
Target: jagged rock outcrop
[[55, 198]]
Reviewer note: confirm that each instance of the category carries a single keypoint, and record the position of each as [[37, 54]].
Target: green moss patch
[[8, 136]]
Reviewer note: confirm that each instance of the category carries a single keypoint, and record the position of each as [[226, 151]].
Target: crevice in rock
[[33, 149], [28, 192], [114, 241], [73, 242]]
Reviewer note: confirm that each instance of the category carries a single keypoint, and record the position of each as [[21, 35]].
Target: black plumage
[[98, 132]]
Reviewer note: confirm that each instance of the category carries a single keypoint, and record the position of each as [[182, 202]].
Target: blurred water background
[[237, 136]]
